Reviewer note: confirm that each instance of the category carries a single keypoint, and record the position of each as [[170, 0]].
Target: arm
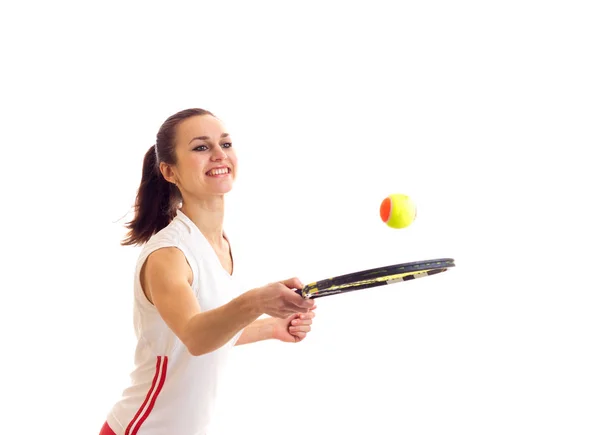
[[261, 329], [291, 330], [166, 280]]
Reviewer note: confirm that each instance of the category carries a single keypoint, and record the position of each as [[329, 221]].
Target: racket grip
[[299, 291]]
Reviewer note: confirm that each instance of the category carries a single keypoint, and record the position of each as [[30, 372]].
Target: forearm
[[261, 329], [209, 330]]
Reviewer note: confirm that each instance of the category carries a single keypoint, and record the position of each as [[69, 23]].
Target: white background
[[486, 113]]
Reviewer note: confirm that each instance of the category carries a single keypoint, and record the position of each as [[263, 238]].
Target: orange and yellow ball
[[398, 211]]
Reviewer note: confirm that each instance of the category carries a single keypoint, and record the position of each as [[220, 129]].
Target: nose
[[218, 154]]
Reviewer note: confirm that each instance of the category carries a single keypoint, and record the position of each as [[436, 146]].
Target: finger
[[301, 322], [310, 310], [296, 322], [292, 312], [295, 301], [293, 283], [300, 335], [300, 328], [306, 307], [287, 313], [300, 304], [307, 303]]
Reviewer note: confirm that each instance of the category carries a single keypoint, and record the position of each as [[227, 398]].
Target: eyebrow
[[207, 138]]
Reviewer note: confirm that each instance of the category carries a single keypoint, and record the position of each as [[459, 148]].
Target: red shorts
[[106, 430]]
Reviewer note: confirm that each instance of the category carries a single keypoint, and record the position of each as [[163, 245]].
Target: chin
[[223, 189]]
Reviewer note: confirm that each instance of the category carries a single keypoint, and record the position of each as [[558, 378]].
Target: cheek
[[232, 157], [197, 162], [193, 168]]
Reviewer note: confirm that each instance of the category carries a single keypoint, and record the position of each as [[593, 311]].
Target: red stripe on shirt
[[159, 375]]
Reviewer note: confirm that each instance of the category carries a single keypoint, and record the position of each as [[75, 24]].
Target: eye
[[201, 148], [227, 145]]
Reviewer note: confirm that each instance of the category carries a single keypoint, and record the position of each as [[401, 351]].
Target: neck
[[208, 216]]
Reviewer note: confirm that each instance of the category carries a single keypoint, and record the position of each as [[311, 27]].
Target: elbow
[[194, 347], [194, 344], [199, 350], [197, 347], [195, 350], [198, 340]]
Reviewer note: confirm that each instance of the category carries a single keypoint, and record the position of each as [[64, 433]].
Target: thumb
[[293, 283]]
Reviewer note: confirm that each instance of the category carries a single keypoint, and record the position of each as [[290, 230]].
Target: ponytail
[[155, 205], [157, 200]]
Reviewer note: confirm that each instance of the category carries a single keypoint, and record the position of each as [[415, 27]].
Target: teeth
[[219, 171]]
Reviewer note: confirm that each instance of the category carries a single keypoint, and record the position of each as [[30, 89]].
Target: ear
[[168, 173]]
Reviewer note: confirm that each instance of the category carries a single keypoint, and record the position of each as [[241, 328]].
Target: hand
[[294, 328], [280, 300]]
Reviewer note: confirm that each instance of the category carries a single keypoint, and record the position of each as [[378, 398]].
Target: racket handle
[[299, 291]]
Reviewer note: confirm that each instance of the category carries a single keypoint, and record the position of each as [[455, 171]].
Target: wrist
[[268, 326], [253, 302]]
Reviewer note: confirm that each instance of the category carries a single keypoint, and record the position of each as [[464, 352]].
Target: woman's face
[[206, 161]]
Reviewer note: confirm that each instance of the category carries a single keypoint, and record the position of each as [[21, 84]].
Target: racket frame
[[375, 277]]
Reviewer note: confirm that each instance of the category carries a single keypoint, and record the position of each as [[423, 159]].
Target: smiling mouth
[[218, 171]]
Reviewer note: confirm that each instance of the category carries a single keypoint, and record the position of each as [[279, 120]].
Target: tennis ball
[[398, 211]]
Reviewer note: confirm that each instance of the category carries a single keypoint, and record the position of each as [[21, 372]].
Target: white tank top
[[172, 391]]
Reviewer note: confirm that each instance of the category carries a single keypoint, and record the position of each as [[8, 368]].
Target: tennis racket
[[375, 277]]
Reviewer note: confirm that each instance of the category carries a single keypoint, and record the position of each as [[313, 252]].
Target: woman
[[189, 310]]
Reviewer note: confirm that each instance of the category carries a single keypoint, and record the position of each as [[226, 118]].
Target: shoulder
[[168, 246], [174, 231], [170, 239], [174, 234], [165, 260], [169, 260]]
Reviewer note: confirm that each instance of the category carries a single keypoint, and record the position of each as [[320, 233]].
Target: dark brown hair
[[157, 199]]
